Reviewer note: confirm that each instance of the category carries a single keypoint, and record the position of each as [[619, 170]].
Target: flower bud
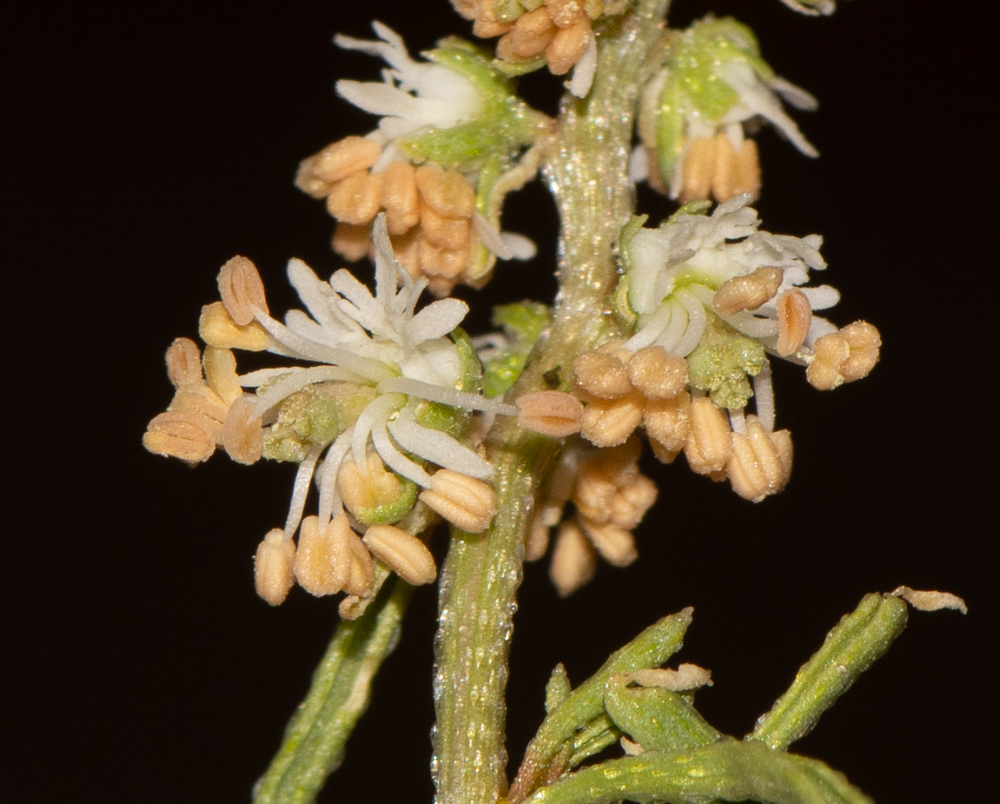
[[574, 560], [467, 503], [323, 558], [242, 290], [657, 375], [272, 569], [710, 441], [402, 552], [242, 435], [552, 413], [184, 363], [217, 328]]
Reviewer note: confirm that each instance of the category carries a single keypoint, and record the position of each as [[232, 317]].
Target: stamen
[[446, 396], [763, 394], [300, 490], [440, 448], [298, 380]]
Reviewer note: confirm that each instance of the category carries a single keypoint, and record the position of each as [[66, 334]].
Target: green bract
[[522, 324], [313, 417], [721, 362]]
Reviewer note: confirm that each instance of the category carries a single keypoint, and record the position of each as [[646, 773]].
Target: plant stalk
[[586, 169]]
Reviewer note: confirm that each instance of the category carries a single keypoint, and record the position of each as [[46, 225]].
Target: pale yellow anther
[[448, 192], [632, 501], [272, 569], [844, 356], [594, 494], [242, 434], [377, 488], [323, 557], [574, 560], [220, 373], [406, 247], [616, 545], [179, 435], [218, 329], [242, 290], [467, 8], [667, 421], [698, 170], [662, 454], [609, 422], [486, 23], [865, 343], [447, 233], [710, 441], [794, 318], [746, 170], [552, 413], [203, 402], [528, 38], [351, 242], [536, 541], [568, 45], [782, 440], [355, 199], [467, 503], [656, 375], [601, 374], [337, 161], [399, 197], [748, 292], [755, 468], [184, 363], [362, 574], [724, 172], [402, 552]]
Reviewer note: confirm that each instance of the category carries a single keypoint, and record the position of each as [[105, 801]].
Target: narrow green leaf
[[656, 718], [852, 647], [341, 688], [727, 770], [586, 703]]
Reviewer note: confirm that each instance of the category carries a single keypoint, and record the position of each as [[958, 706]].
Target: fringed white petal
[[298, 380], [300, 490], [584, 69], [378, 410], [519, 246], [440, 448], [446, 396], [763, 394], [435, 321], [395, 459]]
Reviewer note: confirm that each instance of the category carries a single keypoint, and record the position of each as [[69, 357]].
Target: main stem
[[587, 174]]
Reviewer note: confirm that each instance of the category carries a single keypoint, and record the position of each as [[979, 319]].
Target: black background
[[150, 143]]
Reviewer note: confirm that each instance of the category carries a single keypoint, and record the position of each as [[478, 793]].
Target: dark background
[[150, 143]]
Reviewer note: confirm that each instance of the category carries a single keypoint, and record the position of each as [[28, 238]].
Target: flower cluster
[[438, 165], [694, 112], [707, 298], [533, 33], [386, 394]]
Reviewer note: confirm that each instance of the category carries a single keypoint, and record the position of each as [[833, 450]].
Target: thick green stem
[[341, 688], [587, 173]]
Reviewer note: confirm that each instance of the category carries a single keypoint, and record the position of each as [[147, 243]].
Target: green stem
[[587, 173], [341, 688]]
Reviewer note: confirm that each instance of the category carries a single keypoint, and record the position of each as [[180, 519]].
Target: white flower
[[380, 342], [675, 274], [412, 95]]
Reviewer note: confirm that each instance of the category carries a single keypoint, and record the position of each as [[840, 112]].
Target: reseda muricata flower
[[693, 112], [385, 396], [439, 163]]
